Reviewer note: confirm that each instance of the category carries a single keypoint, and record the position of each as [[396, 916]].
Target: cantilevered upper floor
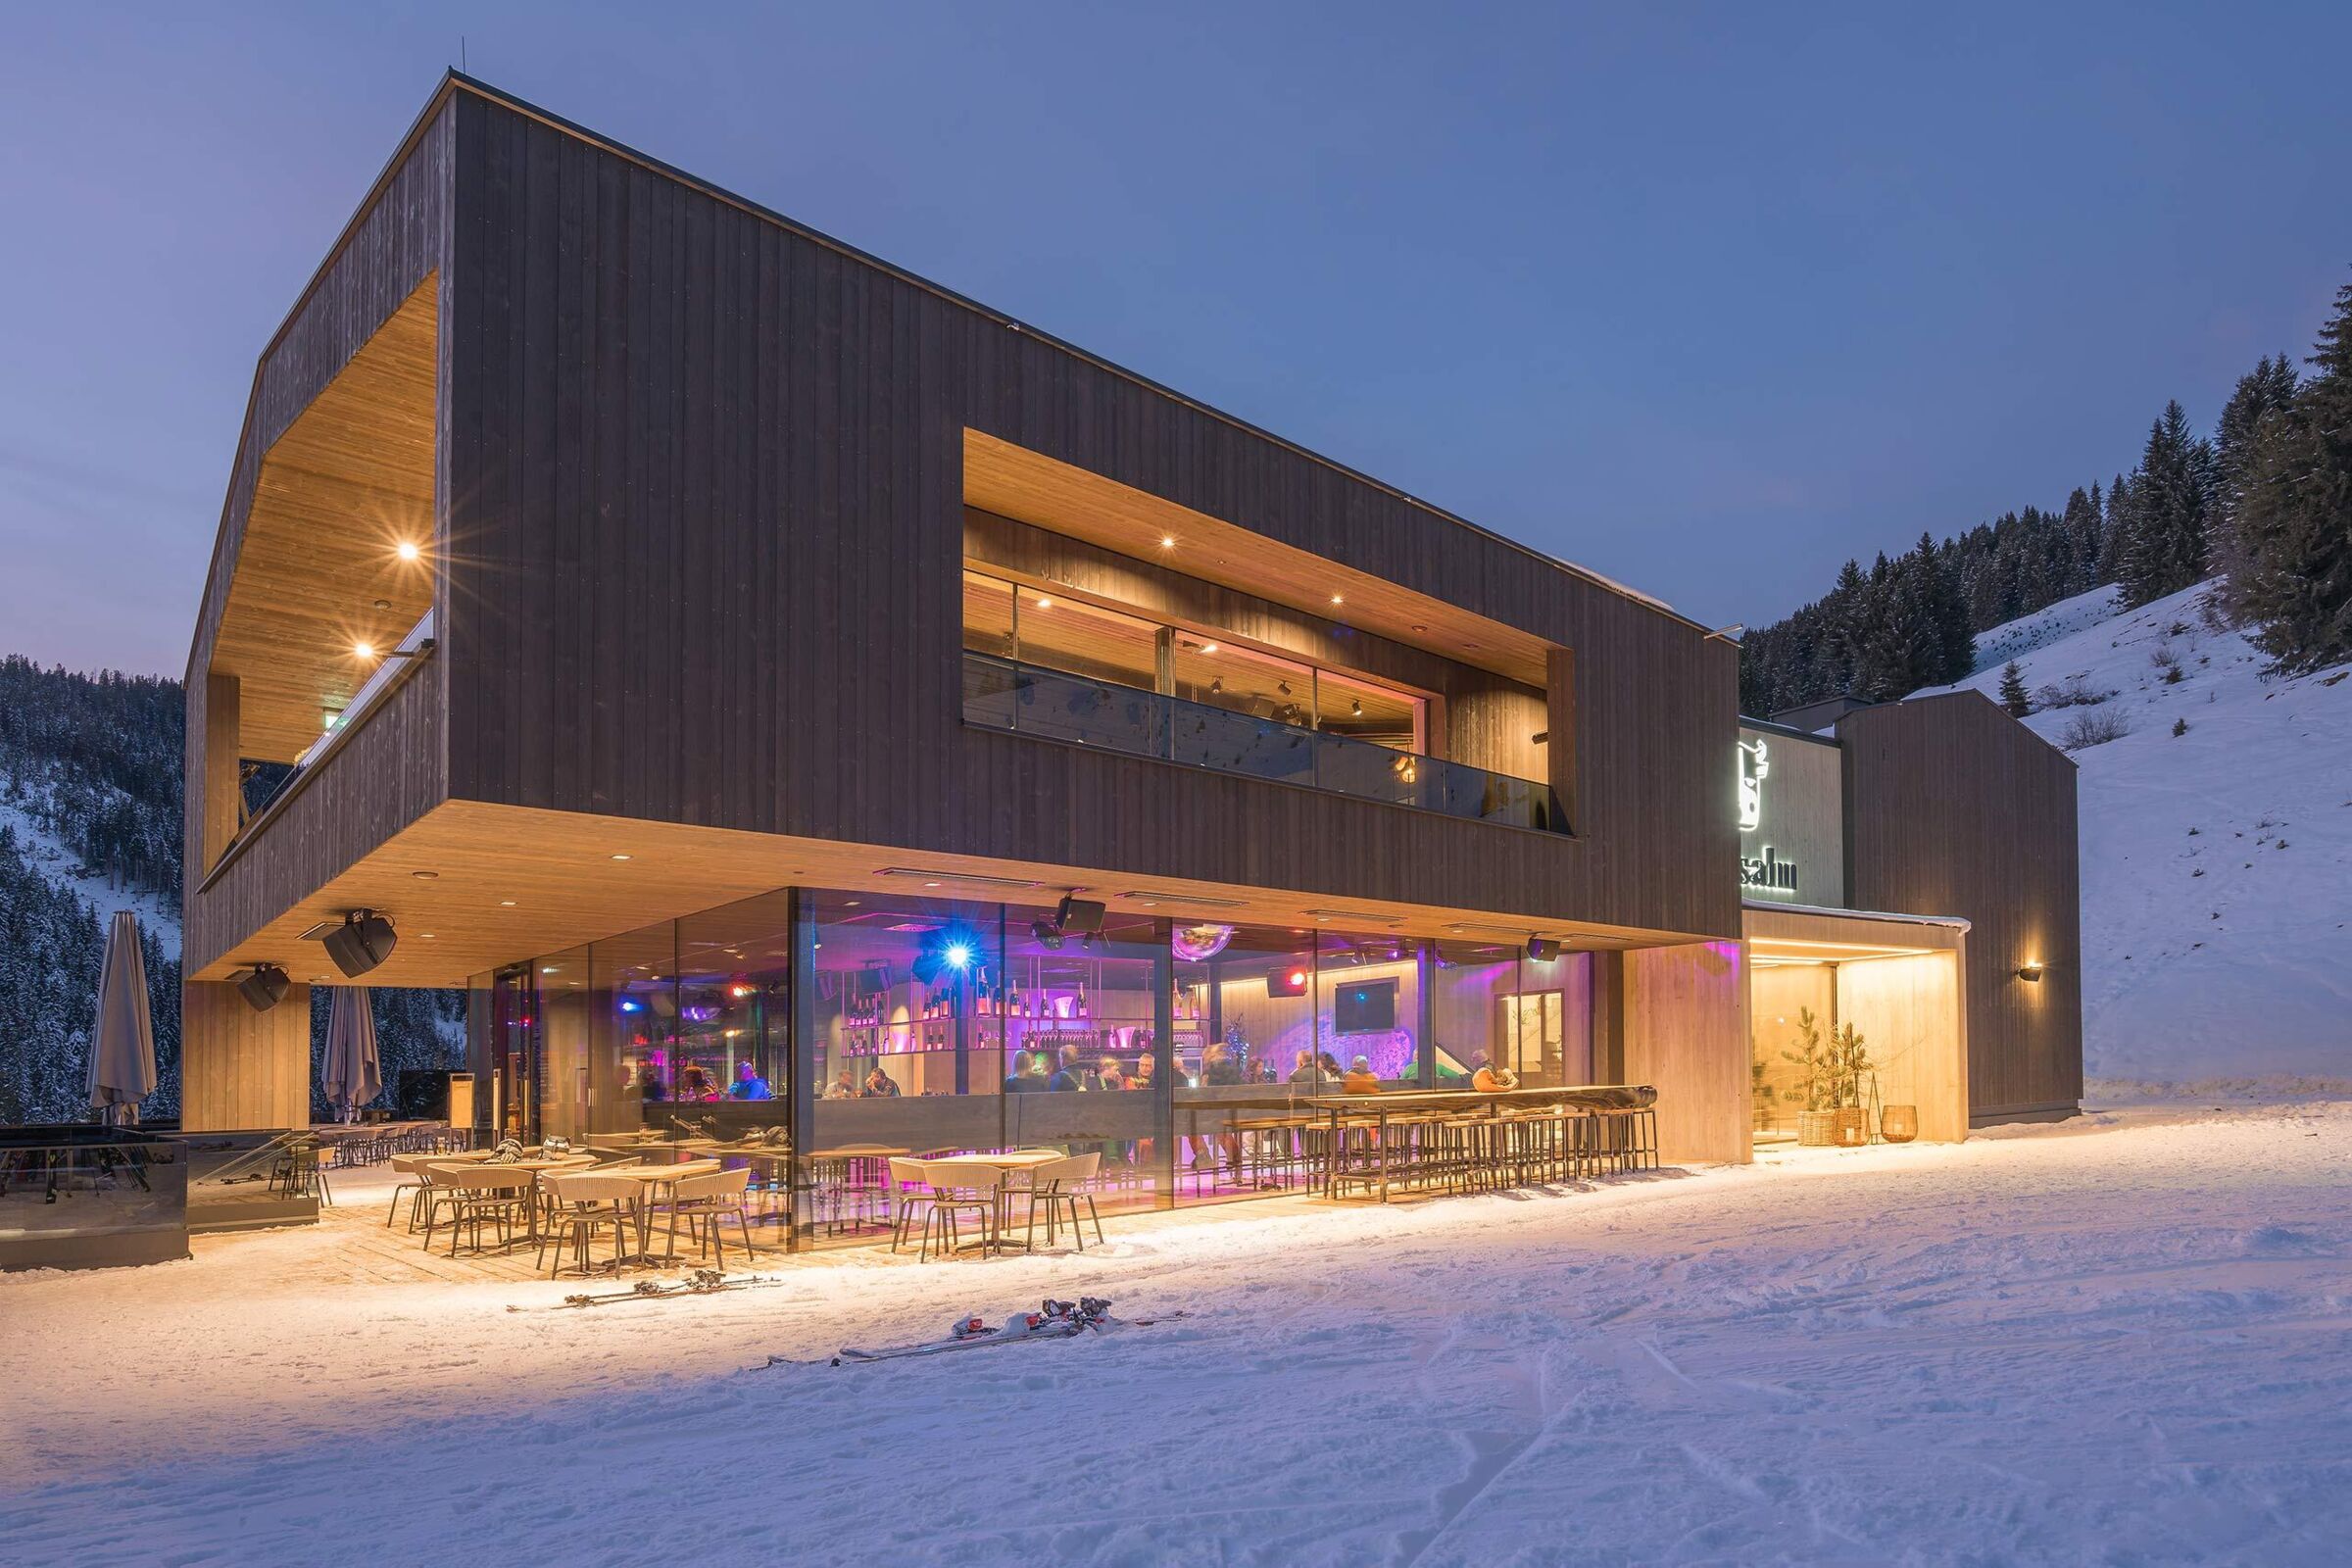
[[602, 545]]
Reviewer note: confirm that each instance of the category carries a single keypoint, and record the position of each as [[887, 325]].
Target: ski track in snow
[[2219, 957], [2125, 1338]]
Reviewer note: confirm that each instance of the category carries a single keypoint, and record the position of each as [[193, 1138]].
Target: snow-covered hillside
[[50, 857], [2217, 862]]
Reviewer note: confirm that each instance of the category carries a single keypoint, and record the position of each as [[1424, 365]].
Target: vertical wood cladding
[[393, 244], [239, 1068], [705, 479], [1952, 807]]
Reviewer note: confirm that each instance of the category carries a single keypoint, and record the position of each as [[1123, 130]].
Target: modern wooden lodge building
[[722, 652]]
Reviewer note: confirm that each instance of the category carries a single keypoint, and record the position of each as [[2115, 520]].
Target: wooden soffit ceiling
[[472, 887], [350, 481], [1015, 482]]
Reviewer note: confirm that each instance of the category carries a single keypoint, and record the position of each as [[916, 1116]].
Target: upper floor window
[[1036, 628]]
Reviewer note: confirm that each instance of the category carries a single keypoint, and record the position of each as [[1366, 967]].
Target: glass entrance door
[[513, 1054]]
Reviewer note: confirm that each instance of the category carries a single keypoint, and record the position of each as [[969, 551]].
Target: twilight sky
[[1706, 298]]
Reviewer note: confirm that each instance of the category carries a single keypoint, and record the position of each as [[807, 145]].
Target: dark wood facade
[[1952, 807], [706, 511]]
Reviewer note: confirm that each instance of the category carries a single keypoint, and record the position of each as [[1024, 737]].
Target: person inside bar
[[881, 1085], [1071, 1074], [1359, 1079], [1493, 1080], [1307, 1074], [650, 1087], [749, 1085], [1018, 1081], [844, 1087], [1108, 1074]]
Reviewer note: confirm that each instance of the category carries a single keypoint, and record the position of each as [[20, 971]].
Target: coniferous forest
[[2264, 504], [93, 762]]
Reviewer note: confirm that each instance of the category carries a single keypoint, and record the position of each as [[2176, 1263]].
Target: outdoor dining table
[[1012, 1161], [652, 1178]]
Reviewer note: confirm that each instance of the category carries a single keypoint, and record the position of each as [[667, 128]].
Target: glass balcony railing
[[1029, 700]]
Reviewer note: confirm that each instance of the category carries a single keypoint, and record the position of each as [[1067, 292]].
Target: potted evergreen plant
[[1830, 1083]]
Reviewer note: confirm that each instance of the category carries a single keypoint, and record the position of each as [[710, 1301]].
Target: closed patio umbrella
[[123, 1043], [349, 1074]]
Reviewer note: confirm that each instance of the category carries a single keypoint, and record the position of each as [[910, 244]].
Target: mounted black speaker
[[1543, 950], [1075, 913], [264, 988], [362, 941]]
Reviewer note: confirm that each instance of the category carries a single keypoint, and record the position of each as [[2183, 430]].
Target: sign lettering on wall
[[1763, 870]]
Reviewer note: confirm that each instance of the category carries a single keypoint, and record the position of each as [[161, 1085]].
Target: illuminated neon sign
[[1764, 872]]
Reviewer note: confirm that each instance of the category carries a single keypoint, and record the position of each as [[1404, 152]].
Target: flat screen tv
[[1364, 1007]]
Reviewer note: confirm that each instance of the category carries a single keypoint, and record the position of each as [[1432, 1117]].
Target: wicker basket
[[1898, 1124], [1845, 1128]]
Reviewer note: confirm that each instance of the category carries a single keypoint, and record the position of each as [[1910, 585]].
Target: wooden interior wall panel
[[1909, 1012], [1686, 1035], [714, 470], [1953, 808], [242, 1069]]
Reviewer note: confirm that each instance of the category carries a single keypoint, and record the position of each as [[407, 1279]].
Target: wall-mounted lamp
[[2031, 971]]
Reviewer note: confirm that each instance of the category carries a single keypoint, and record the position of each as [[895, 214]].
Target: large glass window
[[1245, 1050], [632, 984], [735, 1009], [1084, 1059]]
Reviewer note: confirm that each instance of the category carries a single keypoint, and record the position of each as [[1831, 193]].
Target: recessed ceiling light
[[1334, 599], [620, 857], [506, 903], [1044, 603], [1208, 648], [424, 876], [1167, 541], [407, 550], [363, 649], [425, 935], [384, 604]]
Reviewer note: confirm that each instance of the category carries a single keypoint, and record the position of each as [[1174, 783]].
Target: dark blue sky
[[1707, 299]]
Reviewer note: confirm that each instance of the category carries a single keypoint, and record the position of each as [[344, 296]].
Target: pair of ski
[[1057, 1320], [702, 1282]]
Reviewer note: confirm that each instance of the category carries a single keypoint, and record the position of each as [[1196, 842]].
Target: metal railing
[[1049, 703]]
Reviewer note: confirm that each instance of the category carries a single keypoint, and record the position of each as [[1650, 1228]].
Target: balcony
[[1050, 705]]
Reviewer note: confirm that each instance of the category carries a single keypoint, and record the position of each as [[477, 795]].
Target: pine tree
[[2294, 514], [2013, 691], [2163, 536], [2268, 389]]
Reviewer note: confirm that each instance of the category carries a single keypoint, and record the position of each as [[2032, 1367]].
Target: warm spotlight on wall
[[2031, 971]]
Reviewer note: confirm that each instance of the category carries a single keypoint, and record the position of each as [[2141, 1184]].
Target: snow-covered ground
[[2123, 1339], [2217, 863]]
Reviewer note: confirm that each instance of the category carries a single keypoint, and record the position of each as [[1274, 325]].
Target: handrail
[[1005, 694]]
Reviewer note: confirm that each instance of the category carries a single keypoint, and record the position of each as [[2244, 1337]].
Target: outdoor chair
[[1061, 1187], [420, 1167], [479, 1195], [703, 1201], [912, 1187], [959, 1188], [584, 1204]]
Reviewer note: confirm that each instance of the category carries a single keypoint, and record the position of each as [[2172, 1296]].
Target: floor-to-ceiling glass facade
[[855, 1026]]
